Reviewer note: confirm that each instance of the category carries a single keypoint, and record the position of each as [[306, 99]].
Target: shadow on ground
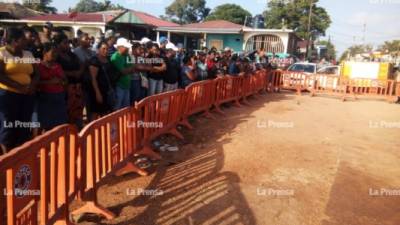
[[193, 187], [353, 200]]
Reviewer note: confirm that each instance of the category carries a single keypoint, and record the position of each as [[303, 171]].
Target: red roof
[[214, 24], [81, 17], [152, 20]]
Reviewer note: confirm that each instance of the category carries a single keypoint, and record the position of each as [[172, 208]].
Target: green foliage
[[230, 12], [331, 50], [187, 11], [42, 6], [95, 6], [354, 50], [390, 47], [296, 13]]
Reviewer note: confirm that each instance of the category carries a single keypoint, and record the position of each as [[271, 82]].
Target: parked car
[[329, 70], [303, 67]]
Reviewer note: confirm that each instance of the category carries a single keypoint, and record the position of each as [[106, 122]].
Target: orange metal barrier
[[372, 88], [253, 85], [159, 114], [228, 89], [397, 90], [259, 81], [295, 81], [40, 179], [247, 89], [327, 84], [274, 80], [199, 98], [61, 165], [107, 144]]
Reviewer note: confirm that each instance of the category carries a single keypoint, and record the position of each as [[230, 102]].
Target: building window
[[218, 44], [270, 43]]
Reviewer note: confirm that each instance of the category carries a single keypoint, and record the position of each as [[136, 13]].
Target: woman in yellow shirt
[[17, 85]]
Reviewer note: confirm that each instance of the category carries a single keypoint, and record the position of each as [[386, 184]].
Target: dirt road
[[285, 160]]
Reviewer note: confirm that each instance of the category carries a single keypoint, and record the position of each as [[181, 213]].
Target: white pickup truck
[[312, 68]]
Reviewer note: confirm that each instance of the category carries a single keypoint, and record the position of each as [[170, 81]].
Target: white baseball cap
[[171, 45], [123, 42], [144, 41]]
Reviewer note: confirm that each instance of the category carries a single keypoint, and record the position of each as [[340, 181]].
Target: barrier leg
[[298, 90], [148, 151], [269, 88], [176, 133], [344, 97], [256, 95], [245, 101], [130, 167], [208, 115], [237, 103], [60, 222], [185, 122], [218, 109], [92, 207], [354, 93], [312, 92]]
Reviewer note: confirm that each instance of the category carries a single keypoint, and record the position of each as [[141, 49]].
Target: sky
[[381, 17]]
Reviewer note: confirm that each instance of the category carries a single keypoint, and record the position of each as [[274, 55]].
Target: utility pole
[[309, 29], [364, 33]]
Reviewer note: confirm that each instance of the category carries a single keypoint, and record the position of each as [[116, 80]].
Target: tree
[[295, 13], [230, 12], [390, 47], [331, 50], [41, 6], [187, 11], [354, 50], [94, 6]]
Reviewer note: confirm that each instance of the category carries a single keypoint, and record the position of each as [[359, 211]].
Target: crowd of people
[[48, 79]]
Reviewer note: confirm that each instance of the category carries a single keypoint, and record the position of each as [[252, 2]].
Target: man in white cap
[[121, 61], [173, 68]]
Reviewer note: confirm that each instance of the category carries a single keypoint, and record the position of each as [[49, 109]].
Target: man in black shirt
[[158, 71], [173, 68]]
